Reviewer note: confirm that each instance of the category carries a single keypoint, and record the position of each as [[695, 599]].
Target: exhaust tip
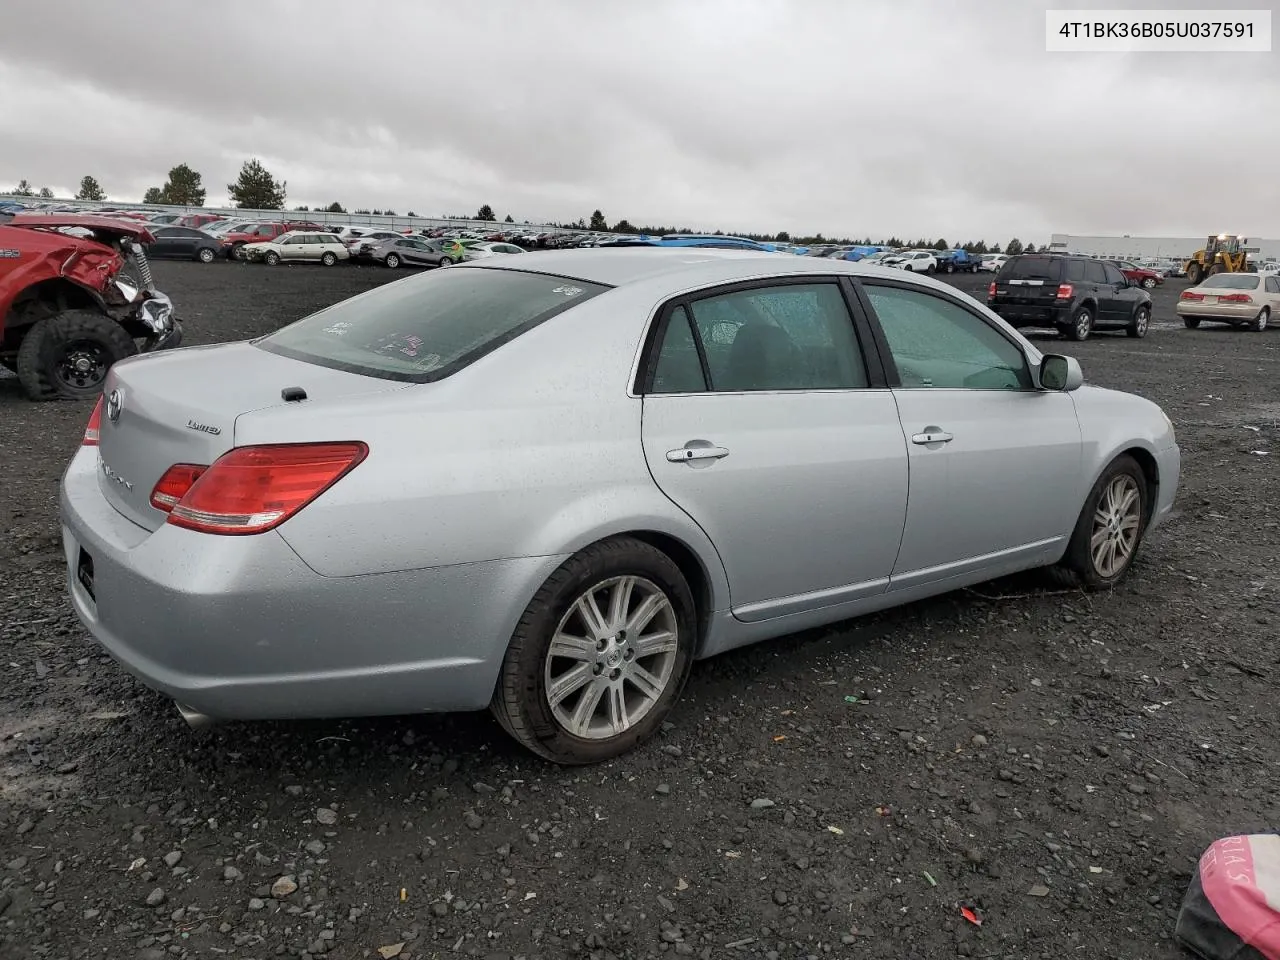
[[195, 719]]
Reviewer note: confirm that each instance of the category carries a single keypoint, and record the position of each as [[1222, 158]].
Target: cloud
[[910, 118]]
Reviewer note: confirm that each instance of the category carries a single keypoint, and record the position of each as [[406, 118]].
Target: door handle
[[686, 454], [932, 435]]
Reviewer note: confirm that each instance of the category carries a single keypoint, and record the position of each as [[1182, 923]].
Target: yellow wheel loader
[[1225, 253]]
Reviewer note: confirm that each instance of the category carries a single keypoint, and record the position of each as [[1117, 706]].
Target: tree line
[[257, 189]]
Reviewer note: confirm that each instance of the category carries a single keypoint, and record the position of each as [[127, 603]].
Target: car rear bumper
[[241, 628], [1027, 315], [1225, 312]]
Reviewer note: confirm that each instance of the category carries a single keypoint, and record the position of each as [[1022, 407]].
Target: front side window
[[791, 337], [1113, 275], [430, 327], [938, 344]]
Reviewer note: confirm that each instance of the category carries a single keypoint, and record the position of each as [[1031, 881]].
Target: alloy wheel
[[1115, 526], [611, 658]]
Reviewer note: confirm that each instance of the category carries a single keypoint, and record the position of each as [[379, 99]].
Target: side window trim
[[652, 344], [892, 375]]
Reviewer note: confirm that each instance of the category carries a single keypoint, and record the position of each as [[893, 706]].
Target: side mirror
[[1060, 373]]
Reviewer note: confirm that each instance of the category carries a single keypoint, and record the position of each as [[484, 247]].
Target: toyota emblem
[[114, 404]]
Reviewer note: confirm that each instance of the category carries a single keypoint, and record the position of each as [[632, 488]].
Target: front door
[[761, 423], [995, 463]]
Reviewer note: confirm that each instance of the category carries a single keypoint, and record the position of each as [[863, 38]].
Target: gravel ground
[[1055, 761]]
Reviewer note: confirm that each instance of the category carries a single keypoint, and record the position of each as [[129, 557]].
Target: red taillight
[[93, 426], [1064, 291], [991, 290], [1236, 298], [1190, 295], [253, 489], [175, 483]]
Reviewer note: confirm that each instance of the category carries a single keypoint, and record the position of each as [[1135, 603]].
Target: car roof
[[619, 266]]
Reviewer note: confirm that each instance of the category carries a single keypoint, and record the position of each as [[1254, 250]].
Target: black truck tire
[[67, 356]]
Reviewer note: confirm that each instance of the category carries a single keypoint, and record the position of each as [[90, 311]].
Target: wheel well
[[1150, 472], [690, 566], [1091, 304], [40, 300]]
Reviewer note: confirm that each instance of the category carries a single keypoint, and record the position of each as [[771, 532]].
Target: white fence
[[315, 216]]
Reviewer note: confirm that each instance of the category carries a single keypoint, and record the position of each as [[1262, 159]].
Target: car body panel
[[480, 484]]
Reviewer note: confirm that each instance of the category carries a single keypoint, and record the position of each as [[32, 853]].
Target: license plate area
[[84, 573]]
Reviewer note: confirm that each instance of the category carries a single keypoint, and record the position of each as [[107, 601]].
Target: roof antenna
[[293, 394]]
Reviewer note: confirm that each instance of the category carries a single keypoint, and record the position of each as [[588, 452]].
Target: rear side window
[[1094, 272], [1074, 271], [430, 327], [1031, 268], [789, 337]]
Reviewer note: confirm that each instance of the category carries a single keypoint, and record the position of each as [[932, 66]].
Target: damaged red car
[[76, 295]]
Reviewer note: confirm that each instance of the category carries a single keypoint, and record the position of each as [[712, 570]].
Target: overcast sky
[[907, 117]]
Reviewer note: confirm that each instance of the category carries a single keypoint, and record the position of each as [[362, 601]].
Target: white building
[[1141, 248]]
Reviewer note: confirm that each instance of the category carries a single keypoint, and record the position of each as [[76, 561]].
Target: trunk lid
[[181, 406]]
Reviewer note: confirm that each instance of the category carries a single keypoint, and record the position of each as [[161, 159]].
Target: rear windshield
[[1232, 281], [427, 327], [1031, 268]]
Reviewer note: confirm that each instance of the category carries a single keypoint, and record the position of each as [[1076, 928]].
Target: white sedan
[[479, 251]]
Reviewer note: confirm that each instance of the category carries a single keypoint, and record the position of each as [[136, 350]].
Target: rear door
[[765, 423], [166, 242]]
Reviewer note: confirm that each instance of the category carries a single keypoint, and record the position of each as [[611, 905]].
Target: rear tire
[[1140, 323], [521, 699], [1191, 323], [1108, 532], [67, 356], [1081, 325], [1259, 323]]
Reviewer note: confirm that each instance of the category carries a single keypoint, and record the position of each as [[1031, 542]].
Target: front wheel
[[271, 258], [1139, 324], [392, 261], [600, 655], [1149, 283], [1195, 273], [1259, 323], [1081, 325], [1109, 529], [205, 255], [68, 355], [329, 259], [446, 261]]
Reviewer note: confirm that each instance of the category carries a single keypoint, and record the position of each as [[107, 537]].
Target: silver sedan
[[547, 484]]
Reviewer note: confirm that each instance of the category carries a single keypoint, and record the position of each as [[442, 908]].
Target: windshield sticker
[[568, 291], [338, 329]]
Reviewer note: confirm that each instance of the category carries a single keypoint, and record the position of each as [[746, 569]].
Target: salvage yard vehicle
[[1073, 295], [913, 261], [546, 484], [68, 309], [184, 243], [1244, 300], [405, 251], [297, 247], [951, 261], [1145, 277]]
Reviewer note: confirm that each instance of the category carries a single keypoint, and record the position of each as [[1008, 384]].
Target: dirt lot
[[1055, 760]]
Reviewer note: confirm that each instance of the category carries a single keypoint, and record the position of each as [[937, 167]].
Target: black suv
[[1075, 295]]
